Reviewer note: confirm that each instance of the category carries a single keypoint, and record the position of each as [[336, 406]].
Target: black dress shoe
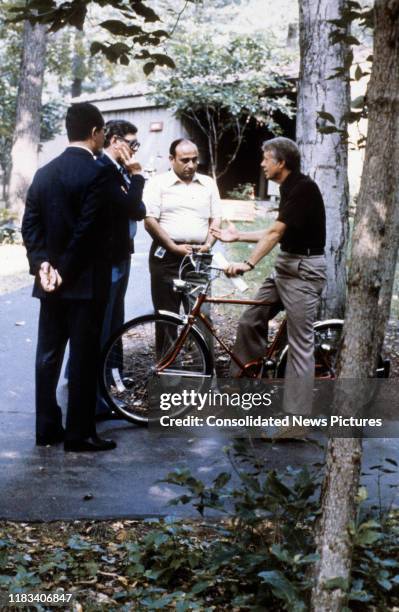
[[89, 445], [50, 440], [112, 415]]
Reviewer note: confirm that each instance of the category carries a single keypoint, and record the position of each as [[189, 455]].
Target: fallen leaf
[[122, 536]]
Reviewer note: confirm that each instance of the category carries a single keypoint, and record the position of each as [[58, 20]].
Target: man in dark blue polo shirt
[[300, 269]]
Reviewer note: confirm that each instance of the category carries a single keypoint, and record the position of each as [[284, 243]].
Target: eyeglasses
[[134, 145]]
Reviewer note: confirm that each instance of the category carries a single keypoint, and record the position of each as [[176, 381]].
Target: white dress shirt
[[183, 209]]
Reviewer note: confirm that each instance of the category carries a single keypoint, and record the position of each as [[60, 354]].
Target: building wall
[[154, 150]]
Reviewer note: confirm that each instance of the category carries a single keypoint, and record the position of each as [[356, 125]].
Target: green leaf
[[385, 584], [360, 596], [365, 538], [358, 73], [118, 28], [281, 554], [313, 558], [274, 482], [157, 604], [389, 563], [221, 480], [160, 33], [336, 583], [358, 102], [76, 543], [328, 129], [199, 587], [77, 18], [144, 11], [351, 40], [372, 524], [162, 60], [326, 116], [280, 586], [40, 5], [96, 47]]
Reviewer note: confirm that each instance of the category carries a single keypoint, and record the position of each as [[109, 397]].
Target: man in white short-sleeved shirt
[[182, 207]]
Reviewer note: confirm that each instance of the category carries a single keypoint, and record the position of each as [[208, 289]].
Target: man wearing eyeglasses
[[126, 187], [182, 207]]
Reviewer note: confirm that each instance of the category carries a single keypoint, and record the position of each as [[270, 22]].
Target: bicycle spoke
[[132, 359]]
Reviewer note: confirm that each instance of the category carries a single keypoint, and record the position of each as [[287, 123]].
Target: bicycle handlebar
[[202, 264]]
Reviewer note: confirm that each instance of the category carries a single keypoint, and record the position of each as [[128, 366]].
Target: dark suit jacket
[[67, 222], [126, 203]]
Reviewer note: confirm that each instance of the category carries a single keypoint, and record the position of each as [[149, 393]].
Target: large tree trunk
[[78, 65], [375, 246], [325, 156], [24, 155], [385, 298]]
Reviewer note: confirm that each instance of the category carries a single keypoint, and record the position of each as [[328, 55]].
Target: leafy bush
[[260, 555], [242, 191], [256, 554], [9, 232]]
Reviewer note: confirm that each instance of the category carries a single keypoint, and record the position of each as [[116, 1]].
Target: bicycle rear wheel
[[327, 342], [327, 338], [131, 356]]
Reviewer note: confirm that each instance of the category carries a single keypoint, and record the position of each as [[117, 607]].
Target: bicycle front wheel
[[132, 356]]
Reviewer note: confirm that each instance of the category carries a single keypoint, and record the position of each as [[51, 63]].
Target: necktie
[[132, 224], [125, 174]]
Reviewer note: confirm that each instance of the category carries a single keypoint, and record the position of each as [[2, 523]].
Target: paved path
[[46, 484]]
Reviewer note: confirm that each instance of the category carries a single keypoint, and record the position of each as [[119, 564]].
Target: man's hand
[[183, 249], [133, 166], [127, 158], [230, 234], [49, 278], [59, 279], [201, 248], [236, 269]]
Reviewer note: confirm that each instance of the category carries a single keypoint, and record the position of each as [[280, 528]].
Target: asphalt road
[[42, 484]]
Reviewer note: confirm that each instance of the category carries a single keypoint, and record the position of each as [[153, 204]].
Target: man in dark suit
[[126, 189], [120, 147], [67, 233]]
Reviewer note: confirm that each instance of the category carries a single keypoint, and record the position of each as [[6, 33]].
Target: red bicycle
[[170, 344]]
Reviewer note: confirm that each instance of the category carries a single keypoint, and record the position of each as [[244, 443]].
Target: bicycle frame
[[196, 313]]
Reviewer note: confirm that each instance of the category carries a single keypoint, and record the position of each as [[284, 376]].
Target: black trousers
[[80, 322], [163, 271]]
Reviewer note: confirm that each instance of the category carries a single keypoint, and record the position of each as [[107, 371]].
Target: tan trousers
[[295, 285]]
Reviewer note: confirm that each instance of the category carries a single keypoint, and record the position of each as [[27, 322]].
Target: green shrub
[[260, 552], [9, 232], [242, 191]]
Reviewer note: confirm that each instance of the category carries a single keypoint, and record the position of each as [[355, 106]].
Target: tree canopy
[[220, 83], [132, 20]]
